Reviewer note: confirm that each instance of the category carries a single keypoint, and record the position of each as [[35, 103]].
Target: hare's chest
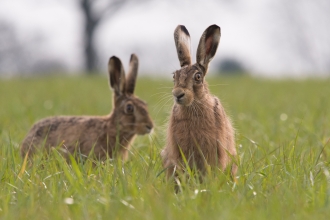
[[191, 135]]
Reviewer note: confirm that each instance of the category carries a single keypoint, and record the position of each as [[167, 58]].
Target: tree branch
[[114, 7]]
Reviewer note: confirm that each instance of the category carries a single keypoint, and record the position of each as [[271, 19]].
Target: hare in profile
[[198, 128], [106, 135]]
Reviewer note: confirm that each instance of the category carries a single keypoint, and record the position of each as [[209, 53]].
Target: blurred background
[[270, 38]]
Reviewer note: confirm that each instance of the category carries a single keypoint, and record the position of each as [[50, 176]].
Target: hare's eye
[[198, 77], [129, 108]]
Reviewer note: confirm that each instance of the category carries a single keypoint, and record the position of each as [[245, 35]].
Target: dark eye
[[198, 77], [129, 108]]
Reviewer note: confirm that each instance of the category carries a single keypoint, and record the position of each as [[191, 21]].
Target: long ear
[[182, 43], [132, 74], [208, 45], [116, 75]]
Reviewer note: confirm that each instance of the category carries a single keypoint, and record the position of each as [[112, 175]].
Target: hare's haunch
[[105, 135]]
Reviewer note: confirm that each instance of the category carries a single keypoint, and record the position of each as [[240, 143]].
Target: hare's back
[[70, 130]]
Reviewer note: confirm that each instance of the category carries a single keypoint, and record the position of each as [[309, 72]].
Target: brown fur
[[198, 123], [107, 135]]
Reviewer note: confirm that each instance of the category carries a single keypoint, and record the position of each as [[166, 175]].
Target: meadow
[[283, 134]]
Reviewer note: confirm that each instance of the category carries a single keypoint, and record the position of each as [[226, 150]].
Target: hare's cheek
[[140, 130], [199, 91], [128, 121], [189, 98]]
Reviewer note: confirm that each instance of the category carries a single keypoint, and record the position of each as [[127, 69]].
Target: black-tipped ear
[[182, 43], [208, 45], [116, 75], [132, 74]]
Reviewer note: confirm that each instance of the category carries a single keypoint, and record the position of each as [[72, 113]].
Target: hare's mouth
[[183, 102], [182, 97], [179, 101], [145, 129], [148, 129]]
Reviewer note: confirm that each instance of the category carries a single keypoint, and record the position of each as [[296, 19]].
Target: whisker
[[169, 99], [219, 85], [133, 123], [199, 108], [166, 96], [166, 87], [204, 106], [140, 123], [158, 93]]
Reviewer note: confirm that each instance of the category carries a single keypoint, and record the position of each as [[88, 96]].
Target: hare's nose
[[178, 94], [149, 128]]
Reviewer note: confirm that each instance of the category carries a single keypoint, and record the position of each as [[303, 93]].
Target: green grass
[[283, 131]]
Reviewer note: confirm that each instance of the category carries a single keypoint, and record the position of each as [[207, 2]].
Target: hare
[[109, 135], [198, 128]]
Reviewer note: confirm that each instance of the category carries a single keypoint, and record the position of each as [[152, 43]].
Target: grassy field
[[283, 132]]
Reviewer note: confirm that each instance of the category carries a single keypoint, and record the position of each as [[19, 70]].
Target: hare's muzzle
[[149, 128], [178, 95]]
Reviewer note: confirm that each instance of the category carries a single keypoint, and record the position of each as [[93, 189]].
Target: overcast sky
[[270, 37]]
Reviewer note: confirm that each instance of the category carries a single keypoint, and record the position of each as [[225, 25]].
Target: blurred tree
[[231, 66], [24, 56], [10, 48], [95, 11]]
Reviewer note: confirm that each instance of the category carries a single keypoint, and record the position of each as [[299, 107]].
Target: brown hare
[[106, 135], [198, 128]]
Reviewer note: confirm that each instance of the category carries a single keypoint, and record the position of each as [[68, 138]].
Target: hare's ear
[[208, 45], [132, 74], [182, 43], [116, 75]]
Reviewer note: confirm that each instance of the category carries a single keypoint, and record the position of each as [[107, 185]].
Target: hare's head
[[131, 113], [189, 83]]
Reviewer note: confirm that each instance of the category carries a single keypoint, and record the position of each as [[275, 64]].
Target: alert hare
[[106, 135], [198, 128]]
